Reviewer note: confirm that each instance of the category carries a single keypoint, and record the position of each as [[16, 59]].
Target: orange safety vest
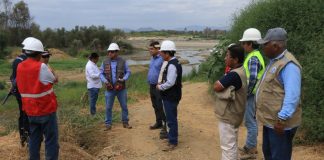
[[37, 99]]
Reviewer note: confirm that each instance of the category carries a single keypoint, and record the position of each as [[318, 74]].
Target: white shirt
[[171, 77], [92, 73], [45, 75], [164, 64]]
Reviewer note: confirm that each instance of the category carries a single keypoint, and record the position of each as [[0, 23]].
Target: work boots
[[163, 133], [126, 125], [156, 126], [248, 153]]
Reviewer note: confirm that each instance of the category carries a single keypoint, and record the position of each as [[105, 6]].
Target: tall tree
[[5, 12], [20, 22]]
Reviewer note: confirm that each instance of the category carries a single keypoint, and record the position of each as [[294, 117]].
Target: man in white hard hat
[[114, 72], [171, 91], [254, 67], [23, 125], [278, 96], [35, 84]]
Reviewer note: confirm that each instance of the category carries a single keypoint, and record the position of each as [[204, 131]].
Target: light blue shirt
[[154, 69], [290, 78], [113, 65]]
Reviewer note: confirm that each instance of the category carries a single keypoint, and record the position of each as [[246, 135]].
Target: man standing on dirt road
[[23, 124], [278, 96], [152, 78], [114, 72], [231, 93], [35, 84], [171, 91], [254, 67]]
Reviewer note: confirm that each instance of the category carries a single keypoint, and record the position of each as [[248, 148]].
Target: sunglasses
[[47, 56], [112, 51]]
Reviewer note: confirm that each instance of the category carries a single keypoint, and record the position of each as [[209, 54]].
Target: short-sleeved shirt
[[231, 79]]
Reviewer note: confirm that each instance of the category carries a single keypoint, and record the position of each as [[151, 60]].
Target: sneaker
[[108, 127], [126, 125], [169, 147], [156, 126], [248, 153]]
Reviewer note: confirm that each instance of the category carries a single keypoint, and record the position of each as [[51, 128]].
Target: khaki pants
[[228, 141]]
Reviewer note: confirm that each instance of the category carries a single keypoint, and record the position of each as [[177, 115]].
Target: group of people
[[252, 92], [248, 91], [164, 78]]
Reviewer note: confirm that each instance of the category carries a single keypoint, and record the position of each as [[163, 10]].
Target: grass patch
[[5, 68], [68, 64]]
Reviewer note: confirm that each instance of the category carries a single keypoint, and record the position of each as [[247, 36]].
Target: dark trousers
[[171, 112], [157, 104], [23, 124], [47, 126], [277, 147]]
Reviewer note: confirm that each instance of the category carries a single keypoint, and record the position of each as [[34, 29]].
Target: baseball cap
[[274, 34]]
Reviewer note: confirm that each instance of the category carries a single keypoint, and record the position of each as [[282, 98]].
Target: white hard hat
[[113, 47], [34, 45], [251, 34], [27, 39], [168, 45]]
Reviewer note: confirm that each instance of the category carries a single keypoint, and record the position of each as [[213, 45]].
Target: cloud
[[133, 13]]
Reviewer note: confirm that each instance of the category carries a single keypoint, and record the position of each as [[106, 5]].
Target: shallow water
[[194, 57]]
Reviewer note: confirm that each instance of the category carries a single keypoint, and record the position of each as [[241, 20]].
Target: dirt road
[[198, 132], [198, 135]]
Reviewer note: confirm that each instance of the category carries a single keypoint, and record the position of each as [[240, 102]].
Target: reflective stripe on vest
[[26, 95], [257, 54]]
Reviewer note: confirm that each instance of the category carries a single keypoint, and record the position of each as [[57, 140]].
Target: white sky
[[134, 14]]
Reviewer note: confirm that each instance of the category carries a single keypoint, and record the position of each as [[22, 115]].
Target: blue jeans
[[251, 123], [93, 97], [171, 113], [47, 126], [110, 98], [277, 147]]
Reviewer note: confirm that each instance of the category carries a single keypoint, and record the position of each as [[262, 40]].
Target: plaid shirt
[[254, 68]]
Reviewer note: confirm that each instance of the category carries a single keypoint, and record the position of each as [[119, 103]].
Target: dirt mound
[[10, 148], [58, 54]]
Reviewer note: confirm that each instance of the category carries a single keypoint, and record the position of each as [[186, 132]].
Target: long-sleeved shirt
[[171, 77], [92, 73], [290, 78], [254, 68], [15, 63], [154, 69], [164, 64], [113, 65]]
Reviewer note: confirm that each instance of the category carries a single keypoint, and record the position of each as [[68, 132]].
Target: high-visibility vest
[[37, 99], [257, 54]]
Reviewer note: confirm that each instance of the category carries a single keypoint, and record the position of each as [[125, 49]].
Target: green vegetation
[[207, 33], [304, 21], [73, 111]]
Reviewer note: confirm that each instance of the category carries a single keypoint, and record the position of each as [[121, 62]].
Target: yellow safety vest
[[257, 54]]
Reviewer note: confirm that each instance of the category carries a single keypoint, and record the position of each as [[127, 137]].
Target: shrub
[[304, 21]]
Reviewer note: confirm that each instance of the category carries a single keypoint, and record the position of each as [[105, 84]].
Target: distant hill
[[199, 28], [187, 28]]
